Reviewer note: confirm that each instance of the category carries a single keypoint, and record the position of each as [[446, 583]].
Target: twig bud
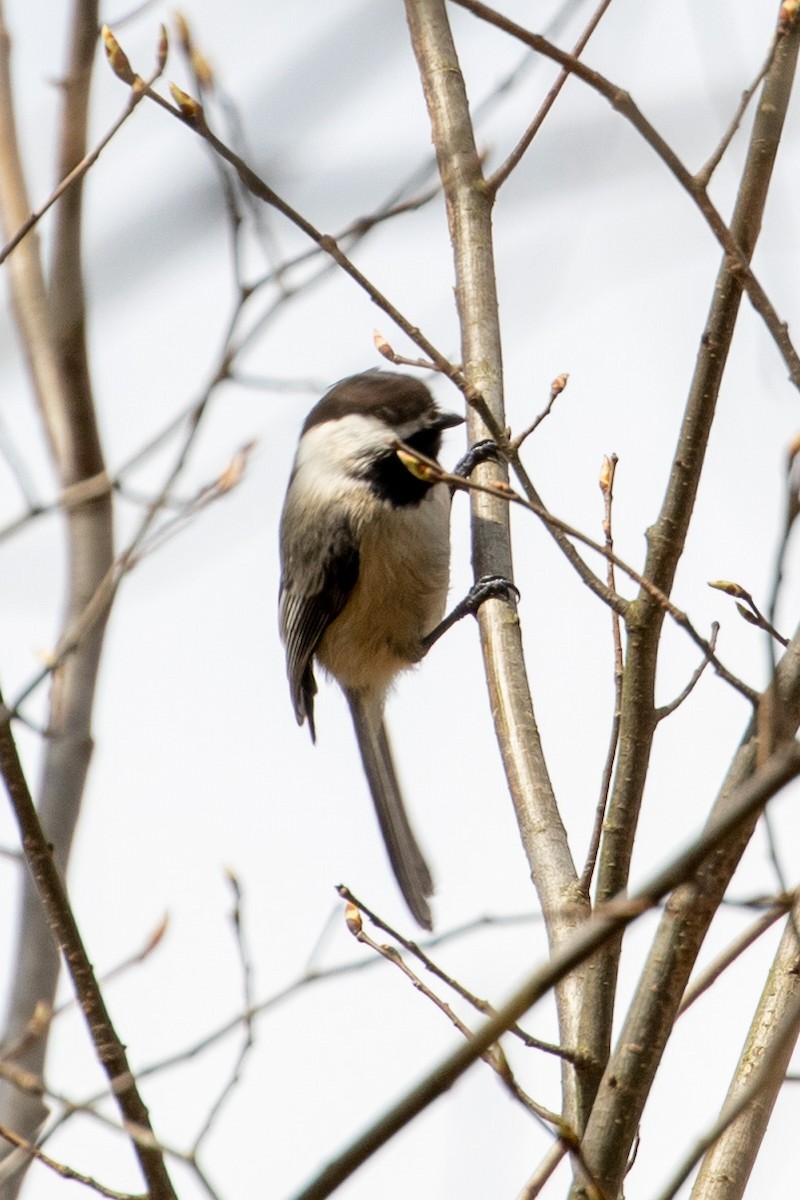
[[184, 33], [202, 70], [749, 616], [382, 346], [117, 58], [420, 470], [40, 1020], [235, 470], [162, 50], [190, 108], [352, 919], [730, 589], [606, 475], [558, 385]]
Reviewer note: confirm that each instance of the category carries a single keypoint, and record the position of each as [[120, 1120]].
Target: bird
[[365, 564]]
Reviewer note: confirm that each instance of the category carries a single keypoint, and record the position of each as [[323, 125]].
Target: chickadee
[[365, 559]]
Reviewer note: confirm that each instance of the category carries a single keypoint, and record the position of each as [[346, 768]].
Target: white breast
[[400, 595]]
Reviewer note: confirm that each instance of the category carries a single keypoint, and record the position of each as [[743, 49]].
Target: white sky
[[605, 271]]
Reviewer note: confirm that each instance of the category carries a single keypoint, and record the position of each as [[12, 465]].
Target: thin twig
[[791, 514], [611, 598], [306, 979], [59, 1168], [623, 103], [749, 610], [190, 113], [43, 1016], [87, 162], [144, 542], [734, 950], [533, 1186], [556, 388], [493, 1055], [667, 709], [248, 1040], [703, 176], [481, 1006], [496, 181], [607, 487], [606, 922]]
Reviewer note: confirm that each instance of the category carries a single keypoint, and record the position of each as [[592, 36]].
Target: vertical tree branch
[[53, 333], [37, 958], [60, 920], [666, 538], [629, 1076], [469, 211], [771, 1040]]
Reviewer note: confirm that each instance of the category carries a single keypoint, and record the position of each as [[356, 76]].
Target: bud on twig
[[748, 609], [419, 469], [183, 32], [558, 385], [353, 919], [40, 1020], [190, 108], [606, 475], [162, 50], [382, 346], [556, 388], [117, 58], [235, 470], [202, 70], [749, 616], [730, 589]]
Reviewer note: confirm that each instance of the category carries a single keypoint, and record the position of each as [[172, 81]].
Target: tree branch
[[469, 212], [629, 1076], [496, 181], [666, 539], [52, 327], [744, 803], [758, 1077], [694, 185], [64, 931]]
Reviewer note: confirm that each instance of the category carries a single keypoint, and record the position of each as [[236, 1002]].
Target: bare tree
[[614, 1024]]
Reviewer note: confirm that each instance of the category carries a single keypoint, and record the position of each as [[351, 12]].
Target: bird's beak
[[446, 420]]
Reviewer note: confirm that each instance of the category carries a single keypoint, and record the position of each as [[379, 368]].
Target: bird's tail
[[409, 866]]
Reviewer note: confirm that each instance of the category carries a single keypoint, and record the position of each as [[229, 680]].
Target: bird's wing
[[309, 601]]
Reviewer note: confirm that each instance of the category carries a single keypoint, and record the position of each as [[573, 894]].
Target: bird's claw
[[478, 453], [492, 587]]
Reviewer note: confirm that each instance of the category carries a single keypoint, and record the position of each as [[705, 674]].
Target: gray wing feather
[[314, 590]]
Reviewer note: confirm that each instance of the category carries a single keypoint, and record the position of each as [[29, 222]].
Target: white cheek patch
[[331, 450]]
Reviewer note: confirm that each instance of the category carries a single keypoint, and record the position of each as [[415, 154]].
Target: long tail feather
[[409, 866]]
